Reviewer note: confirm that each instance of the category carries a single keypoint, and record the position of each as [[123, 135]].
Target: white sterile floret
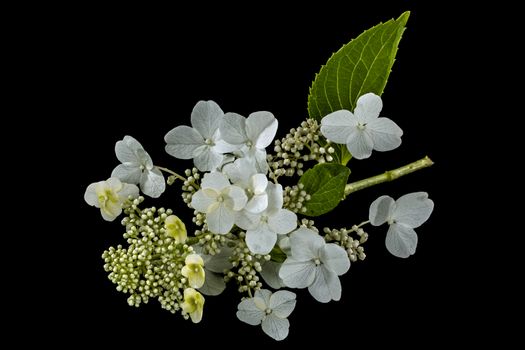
[[363, 130], [254, 133], [270, 310], [243, 173], [315, 264], [137, 167], [404, 215], [220, 201], [109, 196], [262, 228], [203, 142]]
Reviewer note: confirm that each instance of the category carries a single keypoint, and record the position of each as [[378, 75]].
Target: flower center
[[317, 261], [249, 143], [142, 167], [264, 219], [361, 126], [268, 311], [209, 142], [220, 199]]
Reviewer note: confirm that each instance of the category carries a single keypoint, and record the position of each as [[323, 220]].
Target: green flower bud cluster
[[190, 185], [308, 224], [352, 245], [294, 198], [150, 267], [246, 267], [211, 243]]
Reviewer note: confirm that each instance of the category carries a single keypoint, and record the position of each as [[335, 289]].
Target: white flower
[[137, 167], [315, 264], [109, 195], [262, 229], [255, 133], [243, 173], [220, 201], [194, 270], [202, 142], [362, 131], [269, 309], [193, 304], [270, 274], [404, 215]]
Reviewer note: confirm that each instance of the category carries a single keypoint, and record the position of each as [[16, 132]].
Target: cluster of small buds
[[352, 245], [298, 146], [308, 224], [246, 267], [198, 218], [150, 267], [190, 185], [211, 243], [294, 198]]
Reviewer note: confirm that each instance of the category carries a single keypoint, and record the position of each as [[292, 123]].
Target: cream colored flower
[[194, 270], [109, 196], [193, 304], [176, 228]]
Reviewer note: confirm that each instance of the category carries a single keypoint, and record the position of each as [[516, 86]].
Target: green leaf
[[361, 66], [277, 254], [325, 183]]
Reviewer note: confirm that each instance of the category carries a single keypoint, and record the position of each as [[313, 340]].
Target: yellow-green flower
[[194, 270], [176, 228], [193, 304]]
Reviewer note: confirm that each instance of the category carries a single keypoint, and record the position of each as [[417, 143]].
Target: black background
[[140, 72]]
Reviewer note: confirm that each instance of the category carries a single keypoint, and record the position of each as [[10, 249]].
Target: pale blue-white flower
[[243, 173], [254, 134], [220, 201], [203, 141], [137, 167], [363, 130], [315, 264], [214, 267], [262, 228], [109, 196], [270, 310], [270, 274], [403, 216]]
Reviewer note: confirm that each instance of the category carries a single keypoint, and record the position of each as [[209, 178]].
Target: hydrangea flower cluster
[[247, 229]]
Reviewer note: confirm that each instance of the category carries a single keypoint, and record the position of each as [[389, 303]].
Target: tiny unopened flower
[[193, 304], [194, 270], [403, 216], [176, 228], [109, 196]]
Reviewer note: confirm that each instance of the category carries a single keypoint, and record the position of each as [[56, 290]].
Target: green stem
[[388, 175], [172, 173]]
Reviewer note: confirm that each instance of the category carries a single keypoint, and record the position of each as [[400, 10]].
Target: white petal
[[261, 128], [126, 150], [249, 313], [413, 209], [208, 160], [264, 298], [221, 219], [306, 244], [261, 240], [202, 200], [401, 240], [233, 128], [326, 286], [220, 262], [335, 258], [338, 125], [128, 190], [283, 221], [270, 274], [236, 197], [282, 303], [259, 155], [182, 142], [359, 144], [222, 146], [275, 196], [297, 274], [247, 220], [276, 327], [114, 183], [258, 183], [240, 171], [152, 183], [257, 204], [90, 196], [368, 107], [213, 284], [206, 117], [215, 180], [115, 212], [129, 172], [385, 134], [381, 210]]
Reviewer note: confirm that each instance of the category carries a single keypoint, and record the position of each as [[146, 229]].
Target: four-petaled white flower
[[315, 264], [254, 134], [203, 142], [220, 201], [269, 309], [404, 215], [109, 196], [262, 229], [137, 167], [243, 173], [362, 131]]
